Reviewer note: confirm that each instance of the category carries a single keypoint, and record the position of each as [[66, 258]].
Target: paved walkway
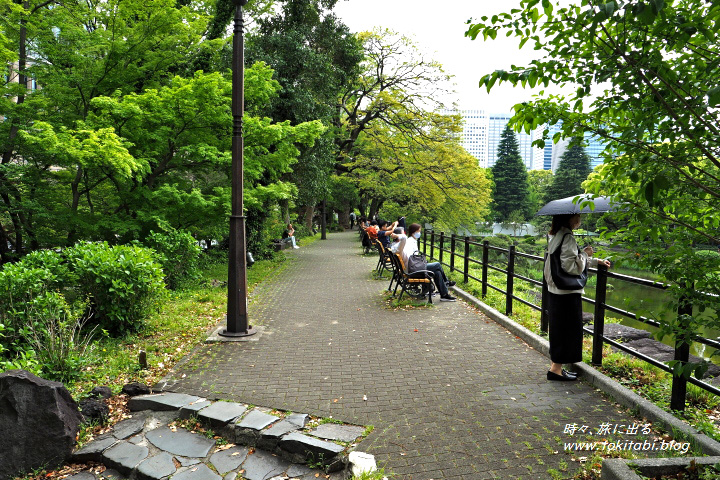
[[460, 398]]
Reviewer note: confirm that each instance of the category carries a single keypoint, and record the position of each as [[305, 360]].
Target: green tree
[[645, 78], [572, 171], [539, 181], [315, 57], [511, 191], [113, 145]]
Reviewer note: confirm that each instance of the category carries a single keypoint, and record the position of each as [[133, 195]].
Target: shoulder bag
[[416, 262], [562, 279]]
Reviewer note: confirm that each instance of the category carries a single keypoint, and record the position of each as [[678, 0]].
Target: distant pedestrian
[[352, 220], [565, 306]]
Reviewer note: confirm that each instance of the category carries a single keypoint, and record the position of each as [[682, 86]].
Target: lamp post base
[[246, 333]]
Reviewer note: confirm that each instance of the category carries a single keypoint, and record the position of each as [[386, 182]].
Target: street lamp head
[[240, 3]]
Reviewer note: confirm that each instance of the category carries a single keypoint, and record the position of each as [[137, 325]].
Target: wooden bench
[[417, 284]]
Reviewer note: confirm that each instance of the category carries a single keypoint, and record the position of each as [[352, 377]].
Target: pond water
[[648, 302]]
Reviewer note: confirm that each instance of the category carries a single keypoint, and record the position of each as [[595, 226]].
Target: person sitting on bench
[[289, 235]]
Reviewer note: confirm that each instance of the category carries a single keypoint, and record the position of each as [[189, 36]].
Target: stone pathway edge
[[295, 438]]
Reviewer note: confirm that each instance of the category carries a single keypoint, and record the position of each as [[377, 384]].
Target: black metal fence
[[435, 246]]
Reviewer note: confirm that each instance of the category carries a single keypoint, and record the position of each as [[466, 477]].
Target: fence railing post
[[510, 280], [432, 245], [544, 320], [486, 250], [441, 246], [682, 354], [599, 317], [424, 250], [452, 252], [466, 261]]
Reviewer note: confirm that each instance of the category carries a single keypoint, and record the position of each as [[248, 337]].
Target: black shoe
[[447, 298], [451, 283], [562, 378], [569, 373]]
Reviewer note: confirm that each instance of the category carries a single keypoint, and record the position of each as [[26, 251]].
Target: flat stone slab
[[191, 409], [200, 472], [124, 457], [128, 428], [157, 467], [220, 414], [262, 466], [92, 452], [230, 459], [279, 429], [296, 442], [256, 420], [161, 401], [299, 419], [180, 442], [334, 431]]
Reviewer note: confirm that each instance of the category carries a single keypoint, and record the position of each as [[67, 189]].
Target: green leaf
[[714, 96]]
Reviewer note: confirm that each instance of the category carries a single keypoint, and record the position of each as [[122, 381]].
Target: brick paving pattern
[[461, 398]]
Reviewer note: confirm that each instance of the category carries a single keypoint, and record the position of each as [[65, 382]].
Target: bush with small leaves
[[178, 253], [122, 282]]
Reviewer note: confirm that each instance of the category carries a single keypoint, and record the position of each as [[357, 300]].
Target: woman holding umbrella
[[566, 273]]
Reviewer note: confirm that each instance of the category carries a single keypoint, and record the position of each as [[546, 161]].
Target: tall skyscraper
[[482, 132]]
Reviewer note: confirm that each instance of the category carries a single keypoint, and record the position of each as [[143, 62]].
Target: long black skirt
[[566, 334]]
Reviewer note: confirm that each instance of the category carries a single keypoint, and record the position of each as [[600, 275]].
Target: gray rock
[[200, 472], [262, 465], [134, 389], [220, 414], [38, 420], [186, 462], [231, 476], [299, 419], [299, 471], [191, 409], [665, 353], [124, 457], [157, 467], [136, 439], [333, 431], [92, 452], [180, 442], [618, 332], [82, 476], [269, 438], [247, 431], [128, 428], [309, 447], [230, 459], [100, 392], [161, 401], [256, 420], [94, 410]]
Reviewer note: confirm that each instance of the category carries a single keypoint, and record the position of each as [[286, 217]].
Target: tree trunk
[[285, 210], [308, 215], [375, 205]]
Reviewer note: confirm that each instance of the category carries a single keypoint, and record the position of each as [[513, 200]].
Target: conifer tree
[[511, 192], [573, 169]]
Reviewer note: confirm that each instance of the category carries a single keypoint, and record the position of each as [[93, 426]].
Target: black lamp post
[[237, 318]]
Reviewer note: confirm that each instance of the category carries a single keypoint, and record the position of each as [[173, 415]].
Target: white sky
[[438, 28]]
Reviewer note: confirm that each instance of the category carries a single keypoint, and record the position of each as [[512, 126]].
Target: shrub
[[178, 253], [122, 283]]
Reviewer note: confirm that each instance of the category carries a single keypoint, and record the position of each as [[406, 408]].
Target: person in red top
[[372, 230]]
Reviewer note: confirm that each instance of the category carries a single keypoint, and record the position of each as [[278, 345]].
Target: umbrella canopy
[[565, 206]]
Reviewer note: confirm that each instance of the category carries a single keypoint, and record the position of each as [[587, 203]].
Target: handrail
[[681, 353]]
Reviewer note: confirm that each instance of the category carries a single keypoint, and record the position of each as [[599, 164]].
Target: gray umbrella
[[565, 206]]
